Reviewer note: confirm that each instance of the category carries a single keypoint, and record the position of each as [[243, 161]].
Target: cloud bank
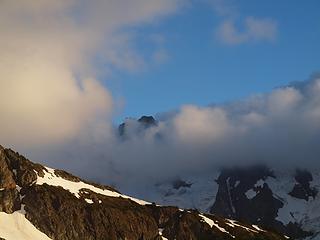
[[280, 128]]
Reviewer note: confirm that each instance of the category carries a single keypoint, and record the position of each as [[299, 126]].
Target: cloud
[[191, 124], [254, 30], [234, 29], [50, 50], [280, 128]]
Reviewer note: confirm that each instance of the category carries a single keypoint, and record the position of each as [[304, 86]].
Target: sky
[[219, 74], [201, 68]]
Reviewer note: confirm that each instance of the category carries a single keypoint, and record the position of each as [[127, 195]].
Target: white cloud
[[49, 90], [278, 128], [200, 125], [254, 30], [282, 100]]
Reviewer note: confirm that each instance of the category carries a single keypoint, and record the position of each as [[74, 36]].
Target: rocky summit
[[41, 203]]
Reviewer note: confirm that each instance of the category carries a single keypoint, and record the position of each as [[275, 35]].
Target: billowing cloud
[[278, 128], [49, 50], [191, 124], [254, 30]]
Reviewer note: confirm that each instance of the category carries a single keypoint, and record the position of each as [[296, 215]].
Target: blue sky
[[200, 68]]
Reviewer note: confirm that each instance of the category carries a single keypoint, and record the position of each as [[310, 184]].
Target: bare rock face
[[302, 188], [262, 208], [9, 200], [231, 200], [73, 218], [7, 180], [163, 215], [9, 196], [26, 171]]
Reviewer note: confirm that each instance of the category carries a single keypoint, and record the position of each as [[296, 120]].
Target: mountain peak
[[134, 126], [148, 120]]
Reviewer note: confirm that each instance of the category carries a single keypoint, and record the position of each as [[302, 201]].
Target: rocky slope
[[41, 203]]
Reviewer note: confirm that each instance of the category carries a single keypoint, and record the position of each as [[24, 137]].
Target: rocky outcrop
[[7, 178], [96, 212], [136, 127], [9, 200], [9, 195], [244, 195], [231, 200], [147, 121], [302, 188]]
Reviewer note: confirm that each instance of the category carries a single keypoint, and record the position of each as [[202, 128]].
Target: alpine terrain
[[286, 200], [40, 203]]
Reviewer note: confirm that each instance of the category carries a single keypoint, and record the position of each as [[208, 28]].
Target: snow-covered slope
[[52, 179], [15, 226]]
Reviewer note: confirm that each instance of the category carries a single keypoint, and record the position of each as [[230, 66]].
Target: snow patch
[[15, 226], [259, 183], [233, 223], [74, 187], [212, 223], [88, 201], [257, 228], [160, 233], [250, 193]]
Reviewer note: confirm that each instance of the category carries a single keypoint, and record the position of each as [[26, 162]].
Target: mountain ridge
[[57, 205]]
